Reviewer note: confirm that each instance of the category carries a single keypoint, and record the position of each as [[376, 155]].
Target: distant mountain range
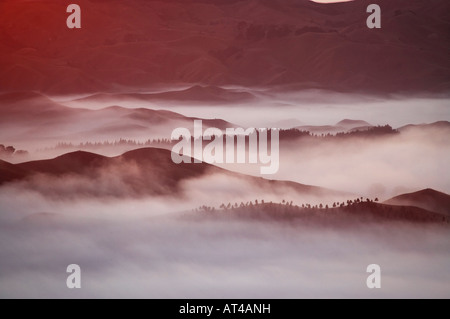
[[33, 116], [194, 94], [138, 44]]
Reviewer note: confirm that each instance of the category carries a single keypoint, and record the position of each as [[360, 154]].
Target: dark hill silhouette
[[345, 125], [369, 132], [429, 199], [10, 172], [321, 129], [73, 163], [147, 171], [216, 42], [350, 124], [431, 126], [364, 212]]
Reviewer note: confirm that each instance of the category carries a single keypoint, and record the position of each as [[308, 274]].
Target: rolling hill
[[347, 216], [151, 172], [193, 94], [33, 108], [345, 125], [440, 125], [428, 199], [138, 173], [36, 116], [10, 172]]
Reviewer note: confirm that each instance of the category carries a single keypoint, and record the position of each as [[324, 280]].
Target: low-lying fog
[[288, 109], [382, 167], [143, 249], [376, 167]]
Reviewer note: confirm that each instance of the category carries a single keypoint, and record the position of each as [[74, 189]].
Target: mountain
[[142, 172], [142, 43], [428, 199]]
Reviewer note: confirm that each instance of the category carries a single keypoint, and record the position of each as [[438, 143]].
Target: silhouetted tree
[[7, 151]]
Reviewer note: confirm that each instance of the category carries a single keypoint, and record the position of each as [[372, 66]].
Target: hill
[[138, 173], [428, 199], [35, 116], [33, 108], [428, 127], [364, 212], [10, 172], [137, 44], [340, 127], [351, 124]]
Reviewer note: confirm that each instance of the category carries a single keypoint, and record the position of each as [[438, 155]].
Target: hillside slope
[[241, 42]]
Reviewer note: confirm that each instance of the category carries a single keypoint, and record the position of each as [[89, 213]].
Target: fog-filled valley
[[224, 149]]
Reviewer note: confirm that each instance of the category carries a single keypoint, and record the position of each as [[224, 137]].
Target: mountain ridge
[[138, 44], [148, 171]]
